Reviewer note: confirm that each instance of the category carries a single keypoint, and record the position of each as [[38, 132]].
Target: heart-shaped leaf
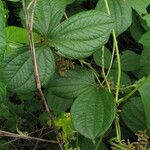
[[93, 112], [73, 83], [80, 35]]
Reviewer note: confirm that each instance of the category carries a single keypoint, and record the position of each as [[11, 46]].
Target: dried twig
[[29, 23], [35, 147], [26, 137]]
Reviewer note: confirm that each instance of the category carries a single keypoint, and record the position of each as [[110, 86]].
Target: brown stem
[[35, 147], [29, 23], [26, 137]]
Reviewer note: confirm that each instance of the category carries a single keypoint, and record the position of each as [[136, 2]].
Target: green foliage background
[[93, 60]]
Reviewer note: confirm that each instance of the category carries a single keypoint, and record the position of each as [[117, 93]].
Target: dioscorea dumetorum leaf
[[17, 71], [80, 35], [93, 112]]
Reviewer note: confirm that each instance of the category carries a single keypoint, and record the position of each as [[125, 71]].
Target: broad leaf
[[19, 35], [139, 5], [48, 14], [58, 104], [145, 60], [18, 71], [133, 114], [80, 35], [145, 95], [136, 29], [145, 39], [98, 57], [130, 61], [73, 83], [2, 31], [121, 13], [93, 112]]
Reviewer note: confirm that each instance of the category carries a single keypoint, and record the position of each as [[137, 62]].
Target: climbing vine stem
[[118, 133]]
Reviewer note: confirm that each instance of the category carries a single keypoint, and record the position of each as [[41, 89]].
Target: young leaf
[[58, 104], [145, 95], [98, 57], [73, 83], [80, 35], [19, 35], [133, 114], [93, 112], [48, 14], [121, 13], [17, 71]]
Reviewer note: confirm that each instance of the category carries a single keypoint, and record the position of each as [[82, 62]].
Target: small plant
[[74, 74]]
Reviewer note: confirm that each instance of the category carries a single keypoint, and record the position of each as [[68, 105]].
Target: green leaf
[[48, 14], [147, 18], [121, 13], [145, 60], [139, 5], [32, 105], [4, 145], [2, 31], [98, 57], [65, 123], [125, 79], [73, 83], [17, 71], [19, 35], [136, 29], [4, 112], [145, 39], [80, 35], [133, 114], [130, 61], [145, 95], [2, 92], [70, 1], [58, 104], [93, 112], [87, 144]]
